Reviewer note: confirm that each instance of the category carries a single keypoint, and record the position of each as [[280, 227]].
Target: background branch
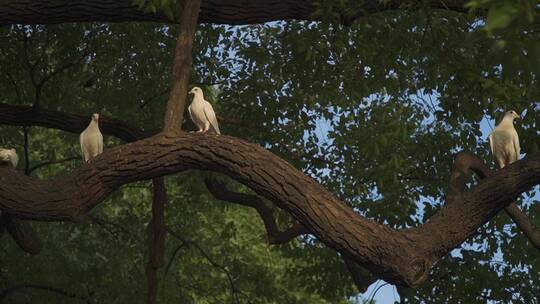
[[361, 276], [234, 289], [275, 236], [73, 123], [53, 162], [462, 164], [6, 292], [156, 238]]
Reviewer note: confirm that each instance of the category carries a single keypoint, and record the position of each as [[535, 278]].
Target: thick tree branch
[[212, 11], [182, 66], [465, 162], [402, 257]]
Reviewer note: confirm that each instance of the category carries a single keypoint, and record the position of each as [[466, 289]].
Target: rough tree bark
[[182, 66], [232, 12], [402, 257]]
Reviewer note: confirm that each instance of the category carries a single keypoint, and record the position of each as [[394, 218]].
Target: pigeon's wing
[[14, 158], [3, 155], [515, 141], [491, 144], [211, 116], [100, 142], [81, 140], [190, 113]]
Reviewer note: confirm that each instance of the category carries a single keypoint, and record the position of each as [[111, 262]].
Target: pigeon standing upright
[[91, 140], [504, 140], [9, 156], [202, 113]]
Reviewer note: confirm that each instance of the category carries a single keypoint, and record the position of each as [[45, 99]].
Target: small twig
[[173, 256], [6, 292], [103, 222], [234, 289], [374, 293], [53, 162]]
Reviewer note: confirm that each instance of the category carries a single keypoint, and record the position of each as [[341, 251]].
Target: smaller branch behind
[[464, 162]]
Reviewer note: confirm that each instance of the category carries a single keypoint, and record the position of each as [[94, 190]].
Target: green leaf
[[499, 17]]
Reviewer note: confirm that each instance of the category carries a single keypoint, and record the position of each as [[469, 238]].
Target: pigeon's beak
[[191, 92]]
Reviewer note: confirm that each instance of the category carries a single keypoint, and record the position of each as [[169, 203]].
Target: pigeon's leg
[[206, 126], [500, 162]]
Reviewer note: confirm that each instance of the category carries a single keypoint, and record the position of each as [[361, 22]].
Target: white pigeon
[[504, 140], [9, 156], [202, 113], [91, 140]]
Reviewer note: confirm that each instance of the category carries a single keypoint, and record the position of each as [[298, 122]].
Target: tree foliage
[[374, 110]]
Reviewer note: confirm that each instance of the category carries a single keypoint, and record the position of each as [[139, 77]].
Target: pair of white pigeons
[[200, 110], [503, 140]]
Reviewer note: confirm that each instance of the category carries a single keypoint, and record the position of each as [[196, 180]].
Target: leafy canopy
[[374, 111]]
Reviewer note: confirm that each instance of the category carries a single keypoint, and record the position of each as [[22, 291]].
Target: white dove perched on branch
[[91, 139], [202, 113], [9, 156], [504, 140]]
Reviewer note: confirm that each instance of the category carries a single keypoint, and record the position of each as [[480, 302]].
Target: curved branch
[[362, 278], [400, 257], [22, 233], [275, 236], [463, 162], [233, 12]]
